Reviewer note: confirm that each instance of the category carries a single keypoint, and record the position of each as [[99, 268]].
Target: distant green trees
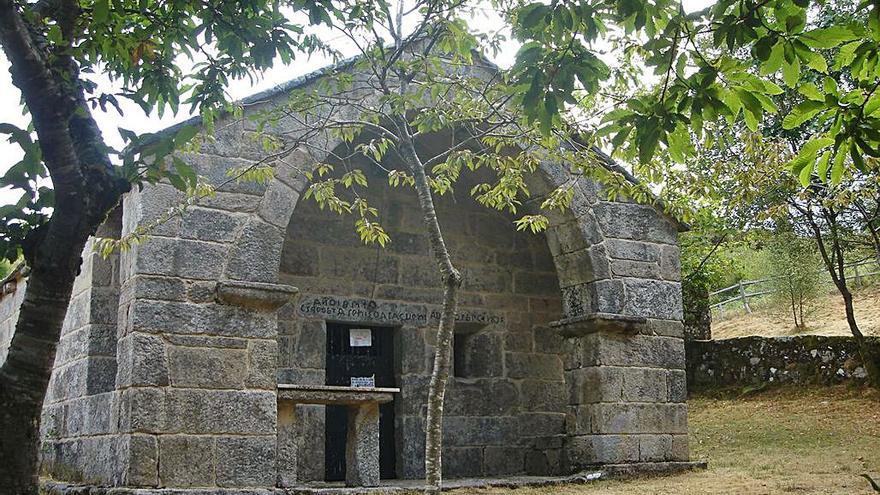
[[794, 265]]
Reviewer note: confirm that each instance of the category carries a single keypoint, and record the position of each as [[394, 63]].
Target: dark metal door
[[344, 362]]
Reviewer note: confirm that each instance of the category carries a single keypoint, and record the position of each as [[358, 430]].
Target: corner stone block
[[256, 253], [244, 461], [218, 412], [635, 222], [180, 258], [142, 361], [655, 448], [653, 299], [262, 364], [643, 351], [205, 367], [186, 460], [582, 452], [140, 454]]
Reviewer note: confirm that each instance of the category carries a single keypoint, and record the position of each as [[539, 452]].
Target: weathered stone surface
[[462, 461], [670, 264], [478, 431], [210, 225], [256, 253], [278, 204], [540, 395], [534, 365], [186, 460], [482, 397], [242, 461], [633, 250], [142, 360], [204, 367], [311, 345], [584, 451], [262, 364], [808, 359], [636, 418], [676, 386], [631, 350], [140, 456], [362, 446], [180, 258], [637, 269], [220, 412], [653, 299], [212, 319], [655, 447], [504, 460], [635, 222], [541, 424], [609, 296], [480, 354]]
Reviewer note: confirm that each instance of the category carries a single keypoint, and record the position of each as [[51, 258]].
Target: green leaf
[[791, 72], [822, 166], [802, 113], [806, 174], [774, 61], [837, 168], [828, 37], [185, 134], [811, 91], [101, 11]]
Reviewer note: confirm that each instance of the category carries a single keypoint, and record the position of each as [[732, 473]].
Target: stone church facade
[[568, 347]]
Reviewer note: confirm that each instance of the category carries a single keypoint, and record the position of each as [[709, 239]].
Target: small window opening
[[464, 351]]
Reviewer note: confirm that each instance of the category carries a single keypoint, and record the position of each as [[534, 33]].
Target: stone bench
[[362, 443]]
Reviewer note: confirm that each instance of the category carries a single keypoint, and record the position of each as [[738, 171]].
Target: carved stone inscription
[[365, 310]]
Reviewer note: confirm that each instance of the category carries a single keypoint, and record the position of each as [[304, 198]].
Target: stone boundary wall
[[801, 360]]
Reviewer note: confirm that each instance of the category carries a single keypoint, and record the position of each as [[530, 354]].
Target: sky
[[134, 119]]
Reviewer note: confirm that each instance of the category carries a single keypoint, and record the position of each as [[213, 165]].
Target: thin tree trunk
[[834, 263], [446, 327]]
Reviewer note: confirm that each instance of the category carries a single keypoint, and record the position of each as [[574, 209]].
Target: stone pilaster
[[626, 391]]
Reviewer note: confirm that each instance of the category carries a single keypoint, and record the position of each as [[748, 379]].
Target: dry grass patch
[[804, 441], [826, 317]]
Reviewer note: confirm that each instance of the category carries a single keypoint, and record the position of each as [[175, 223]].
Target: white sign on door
[[360, 337], [363, 381]]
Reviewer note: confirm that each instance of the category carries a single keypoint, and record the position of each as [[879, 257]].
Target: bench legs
[[362, 446]]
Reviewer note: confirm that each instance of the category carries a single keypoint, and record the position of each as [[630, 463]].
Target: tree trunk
[[834, 263], [869, 358], [86, 189], [446, 328], [24, 376]]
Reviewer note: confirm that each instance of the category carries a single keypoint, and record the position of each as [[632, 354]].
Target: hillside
[[826, 317]]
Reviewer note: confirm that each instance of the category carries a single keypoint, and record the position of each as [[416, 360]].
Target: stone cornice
[[258, 295], [578, 326]]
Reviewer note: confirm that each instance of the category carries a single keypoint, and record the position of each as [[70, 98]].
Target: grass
[[825, 317], [780, 441]]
